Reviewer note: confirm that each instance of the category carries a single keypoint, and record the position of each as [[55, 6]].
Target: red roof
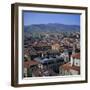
[[77, 55], [27, 64], [68, 66]]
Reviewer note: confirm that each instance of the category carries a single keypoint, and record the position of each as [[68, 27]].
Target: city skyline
[[31, 17], [52, 49]]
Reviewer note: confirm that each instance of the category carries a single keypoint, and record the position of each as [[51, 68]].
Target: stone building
[[72, 67]]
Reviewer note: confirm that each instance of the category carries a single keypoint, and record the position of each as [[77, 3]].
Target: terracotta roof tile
[[27, 64], [77, 55], [67, 66]]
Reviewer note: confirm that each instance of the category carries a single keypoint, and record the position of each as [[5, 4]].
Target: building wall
[[77, 62], [71, 61], [74, 72], [25, 72], [55, 47], [67, 72]]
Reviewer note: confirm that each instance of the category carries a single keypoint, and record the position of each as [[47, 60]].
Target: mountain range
[[51, 27]]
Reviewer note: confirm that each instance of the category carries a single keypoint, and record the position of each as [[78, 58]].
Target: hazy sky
[[45, 18]]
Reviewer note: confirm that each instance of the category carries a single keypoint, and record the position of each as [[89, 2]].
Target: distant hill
[[51, 27]]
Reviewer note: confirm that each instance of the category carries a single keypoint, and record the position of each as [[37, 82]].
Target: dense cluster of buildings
[[52, 54]]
